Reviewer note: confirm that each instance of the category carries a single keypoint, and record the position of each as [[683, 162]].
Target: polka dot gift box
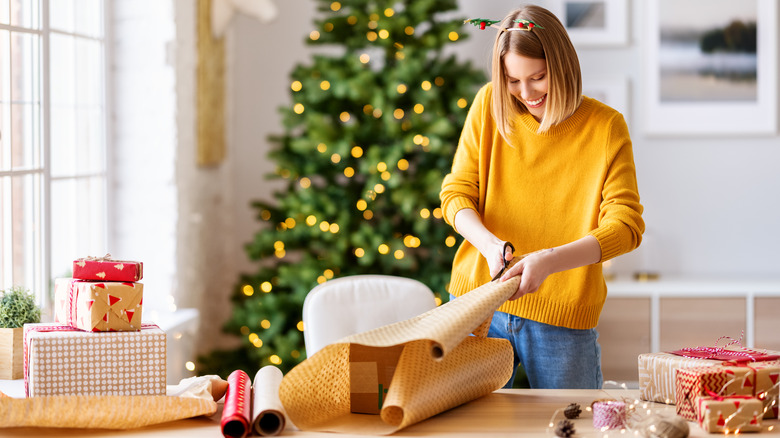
[[61, 360], [98, 306]]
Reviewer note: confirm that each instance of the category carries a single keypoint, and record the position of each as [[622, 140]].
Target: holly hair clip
[[521, 24]]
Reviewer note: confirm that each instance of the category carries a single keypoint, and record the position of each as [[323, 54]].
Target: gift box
[[754, 379], [106, 269], [62, 360], [729, 414], [657, 374], [767, 386], [371, 371], [692, 383], [98, 306]]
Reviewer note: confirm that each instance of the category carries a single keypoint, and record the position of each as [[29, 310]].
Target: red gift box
[[106, 269]]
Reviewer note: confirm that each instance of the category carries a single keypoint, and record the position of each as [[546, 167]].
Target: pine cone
[[572, 411], [565, 429]]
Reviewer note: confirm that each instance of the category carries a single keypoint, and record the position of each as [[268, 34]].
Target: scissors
[[503, 257]]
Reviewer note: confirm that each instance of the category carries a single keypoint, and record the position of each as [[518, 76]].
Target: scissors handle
[[503, 257]]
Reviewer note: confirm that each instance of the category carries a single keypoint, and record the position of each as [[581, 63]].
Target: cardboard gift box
[[657, 374], [106, 269], [692, 383], [371, 371], [754, 379], [61, 360], [767, 386], [729, 414], [98, 306]]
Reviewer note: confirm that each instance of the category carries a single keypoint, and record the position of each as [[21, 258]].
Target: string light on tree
[[364, 142]]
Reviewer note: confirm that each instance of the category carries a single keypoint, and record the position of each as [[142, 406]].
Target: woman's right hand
[[470, 226], [494, 257]]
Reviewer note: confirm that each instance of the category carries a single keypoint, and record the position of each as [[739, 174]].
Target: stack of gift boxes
[[97, 344], [723, 394]]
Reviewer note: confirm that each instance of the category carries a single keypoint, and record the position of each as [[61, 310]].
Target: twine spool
[[662, 426], [609, 415]]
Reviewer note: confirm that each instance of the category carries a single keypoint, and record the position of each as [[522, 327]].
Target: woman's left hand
[[533, 270]]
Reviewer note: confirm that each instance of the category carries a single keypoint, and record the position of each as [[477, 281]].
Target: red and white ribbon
[[739, 355], [609, 415]]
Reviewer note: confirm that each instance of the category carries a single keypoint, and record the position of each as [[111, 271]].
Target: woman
[[551, 171]]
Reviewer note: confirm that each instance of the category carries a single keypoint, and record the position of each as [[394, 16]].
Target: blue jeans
[[552, 357]]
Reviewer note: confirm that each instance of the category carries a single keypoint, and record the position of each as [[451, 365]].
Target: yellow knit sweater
[[546, 190]]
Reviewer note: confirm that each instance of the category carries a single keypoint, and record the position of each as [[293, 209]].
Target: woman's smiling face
[[527, 82]]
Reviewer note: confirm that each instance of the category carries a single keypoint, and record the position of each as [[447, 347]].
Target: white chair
[[354, 304]]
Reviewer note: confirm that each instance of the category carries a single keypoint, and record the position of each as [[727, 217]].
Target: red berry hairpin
[[522, 24], [482, 22], [526, 25]]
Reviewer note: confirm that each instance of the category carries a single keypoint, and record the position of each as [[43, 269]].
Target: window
[[52, 139]]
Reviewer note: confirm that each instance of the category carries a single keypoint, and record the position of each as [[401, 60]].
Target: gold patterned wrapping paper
[[99, 412], [98, 306], [440, 367], [767, 387], [729, 414]]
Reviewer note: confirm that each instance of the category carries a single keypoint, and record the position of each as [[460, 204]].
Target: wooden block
[[11, 350]]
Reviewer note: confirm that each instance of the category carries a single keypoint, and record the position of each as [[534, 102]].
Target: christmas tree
[[367, 140]]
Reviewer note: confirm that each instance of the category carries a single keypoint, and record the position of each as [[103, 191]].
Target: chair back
[[354, 304]]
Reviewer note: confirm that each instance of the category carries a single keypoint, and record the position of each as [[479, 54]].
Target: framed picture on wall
[[594, 23], [710, 67]]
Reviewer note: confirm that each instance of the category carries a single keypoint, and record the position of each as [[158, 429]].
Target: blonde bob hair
[[552, 44]]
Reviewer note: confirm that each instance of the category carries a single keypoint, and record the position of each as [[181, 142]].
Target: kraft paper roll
[[267, 410], [437, 366], [100, 411]]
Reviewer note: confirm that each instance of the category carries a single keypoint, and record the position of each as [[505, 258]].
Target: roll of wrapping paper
[[267, 410], [439, 367], [235, 414]]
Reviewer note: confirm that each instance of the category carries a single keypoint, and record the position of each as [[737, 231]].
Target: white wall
[[167, 212], [143, 195], [712, 204]]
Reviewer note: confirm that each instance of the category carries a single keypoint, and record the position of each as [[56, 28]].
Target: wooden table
[[515, 412]]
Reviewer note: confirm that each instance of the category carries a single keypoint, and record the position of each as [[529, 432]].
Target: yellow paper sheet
[[441, 367]]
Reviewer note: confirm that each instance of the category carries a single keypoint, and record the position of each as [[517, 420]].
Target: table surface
[[506, 412]]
